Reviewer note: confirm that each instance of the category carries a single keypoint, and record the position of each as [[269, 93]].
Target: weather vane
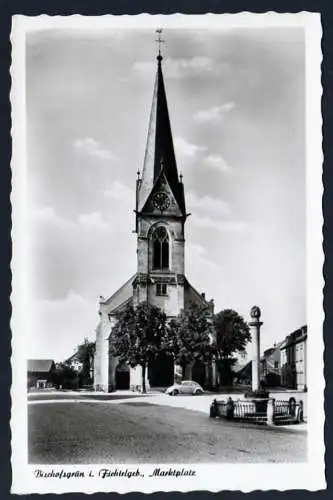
[[159, 40]]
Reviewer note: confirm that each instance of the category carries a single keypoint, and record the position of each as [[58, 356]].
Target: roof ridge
[[107, 301]]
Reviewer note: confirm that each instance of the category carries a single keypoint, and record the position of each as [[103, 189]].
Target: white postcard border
[[212, 477]]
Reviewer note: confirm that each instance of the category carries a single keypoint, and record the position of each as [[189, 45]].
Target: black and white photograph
[[167, 253]]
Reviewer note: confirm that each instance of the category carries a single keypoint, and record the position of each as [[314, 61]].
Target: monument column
[[255, 325]]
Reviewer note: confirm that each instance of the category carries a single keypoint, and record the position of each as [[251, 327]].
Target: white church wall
[[178, 256], [168, 303], [136, 379], [142, 254], [101, 380]]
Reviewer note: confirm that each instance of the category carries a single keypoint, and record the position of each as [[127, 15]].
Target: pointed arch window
[[160, 249]]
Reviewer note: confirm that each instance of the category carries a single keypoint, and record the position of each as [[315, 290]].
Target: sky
[[236, 100]]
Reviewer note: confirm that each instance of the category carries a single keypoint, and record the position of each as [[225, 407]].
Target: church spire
[[159, 149]]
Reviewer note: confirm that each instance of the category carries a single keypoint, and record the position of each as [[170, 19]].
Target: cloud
[[91, 147], [184, 148], [196, 257], [214, 114], [207, 203], [68, 321], [231, 226], [216, 162], [144, 67], [182, 68], [120, 192], [47, 216], [92, 221]]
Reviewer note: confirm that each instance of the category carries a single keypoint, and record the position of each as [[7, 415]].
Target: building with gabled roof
[[39, 372], [160, 280], [270, 365]]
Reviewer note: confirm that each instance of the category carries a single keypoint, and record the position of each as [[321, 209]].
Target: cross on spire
[[159, 41]]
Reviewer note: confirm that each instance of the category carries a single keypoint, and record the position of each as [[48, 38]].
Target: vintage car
[[185, 387]]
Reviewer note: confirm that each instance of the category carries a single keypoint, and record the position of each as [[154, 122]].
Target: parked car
[[185, 387]]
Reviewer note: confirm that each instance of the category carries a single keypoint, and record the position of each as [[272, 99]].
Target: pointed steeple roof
[[159, 149]]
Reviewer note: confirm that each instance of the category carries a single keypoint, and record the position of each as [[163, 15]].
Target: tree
[[64, 376], [189, 336], [139, 336], [85, 355], [232, 334]]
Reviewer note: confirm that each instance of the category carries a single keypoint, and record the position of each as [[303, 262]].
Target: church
[[160, 213]]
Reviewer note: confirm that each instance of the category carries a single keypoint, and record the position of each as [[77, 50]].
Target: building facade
[[270, 366], [39, 373], [159, 279], [294, 359]]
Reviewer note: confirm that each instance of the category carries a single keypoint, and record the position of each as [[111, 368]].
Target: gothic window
[[160, 249]]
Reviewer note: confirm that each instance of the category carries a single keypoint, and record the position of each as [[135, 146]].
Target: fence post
[[270, 411], [230, 409], [213, 411], [299, 414]]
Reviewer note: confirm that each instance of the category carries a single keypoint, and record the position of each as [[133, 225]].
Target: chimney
[[203, 296]]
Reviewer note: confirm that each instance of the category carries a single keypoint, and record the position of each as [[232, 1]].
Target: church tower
[[160, 217], [160, 214]]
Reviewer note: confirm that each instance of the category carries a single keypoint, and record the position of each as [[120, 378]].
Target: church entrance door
[[122, 377], [161, 371], [199, 373]]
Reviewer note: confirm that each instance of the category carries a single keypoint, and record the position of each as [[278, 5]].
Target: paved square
[[135, 431]]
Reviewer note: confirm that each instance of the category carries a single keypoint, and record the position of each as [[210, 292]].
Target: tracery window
[[160, 249]]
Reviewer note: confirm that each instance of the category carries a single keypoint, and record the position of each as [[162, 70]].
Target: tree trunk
[[144, 390]]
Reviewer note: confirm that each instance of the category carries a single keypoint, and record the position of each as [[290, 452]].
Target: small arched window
[[160, 249]]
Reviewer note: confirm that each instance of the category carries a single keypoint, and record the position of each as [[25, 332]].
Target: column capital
[[255, 323]]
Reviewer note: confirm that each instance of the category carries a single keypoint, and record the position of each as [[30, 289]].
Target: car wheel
[[197, 392], [174, 392]]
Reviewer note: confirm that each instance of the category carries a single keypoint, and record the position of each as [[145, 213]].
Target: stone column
[[270, 411], [214, 376], [255, 325]]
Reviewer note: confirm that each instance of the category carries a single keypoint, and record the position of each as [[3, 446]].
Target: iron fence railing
[[283, 408], [242, 410], [259, 410]]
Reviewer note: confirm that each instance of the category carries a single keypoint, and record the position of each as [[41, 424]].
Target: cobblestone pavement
[[147, 430]]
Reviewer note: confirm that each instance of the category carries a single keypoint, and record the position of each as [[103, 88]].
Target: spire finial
[[159, 41], [181, 178]]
